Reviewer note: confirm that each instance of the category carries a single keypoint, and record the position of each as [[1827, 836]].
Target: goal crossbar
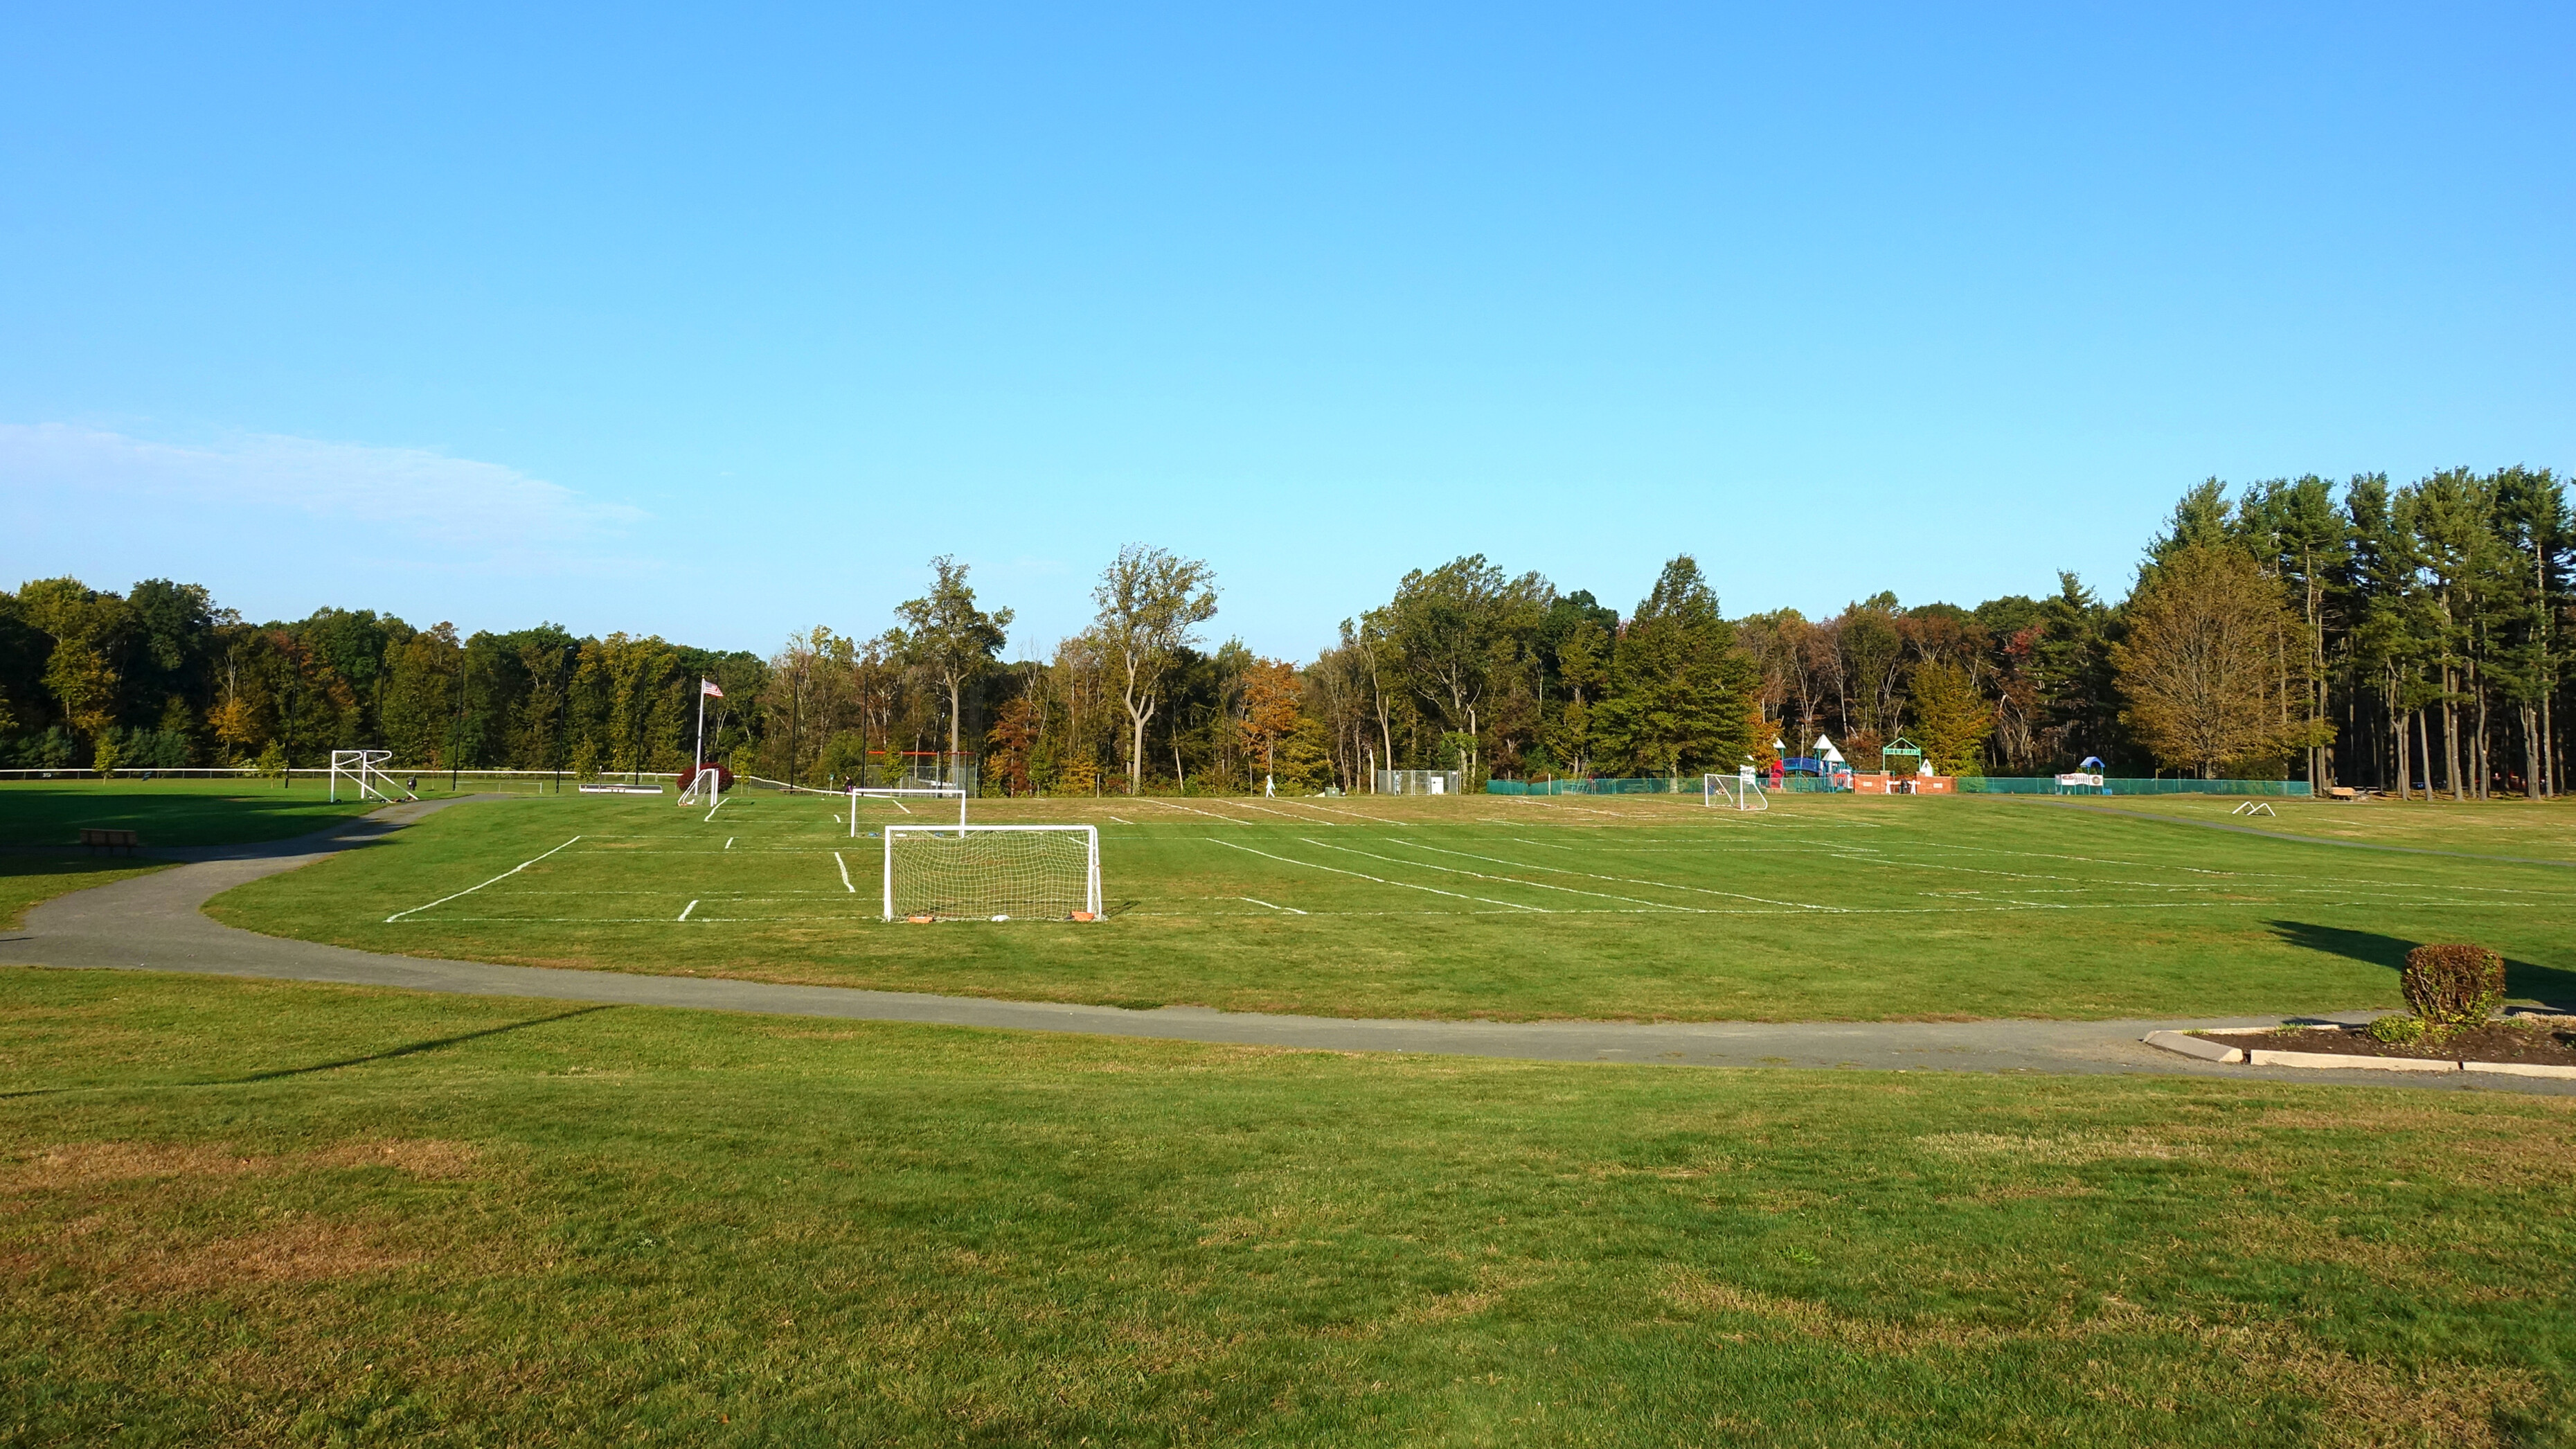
[[991, 872]]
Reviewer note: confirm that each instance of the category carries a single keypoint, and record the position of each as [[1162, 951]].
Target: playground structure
[[1821, 769], [1902, 770], [2084, 779]]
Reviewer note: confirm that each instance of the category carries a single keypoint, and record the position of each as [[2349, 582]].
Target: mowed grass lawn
[[1639, 908], [168, 812], [259, 1213], [2538, 830], [40, 823]]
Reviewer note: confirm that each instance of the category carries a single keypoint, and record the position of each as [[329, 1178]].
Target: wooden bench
[[111, 840]]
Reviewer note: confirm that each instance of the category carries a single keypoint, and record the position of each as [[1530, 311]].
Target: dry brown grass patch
[[420, 1156], [2063, 1149], [76, 1164], [302, 1251], [83, 1164], [2364, 1403]]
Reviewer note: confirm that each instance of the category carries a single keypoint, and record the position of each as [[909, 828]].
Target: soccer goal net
[[1421, 782], [366, 770], [706, 789], [992, 872], [1739, 791]]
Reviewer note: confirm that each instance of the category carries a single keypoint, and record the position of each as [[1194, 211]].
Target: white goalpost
[[1739, 791], [707, 788], [992, 872], [363, 768]]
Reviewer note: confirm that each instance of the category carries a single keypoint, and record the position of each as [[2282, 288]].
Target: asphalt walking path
[[155, 923]]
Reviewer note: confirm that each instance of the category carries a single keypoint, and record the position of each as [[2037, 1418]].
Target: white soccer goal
[[364, 768], [992, 872], [1739, 791], [707, 789], [1421, 782]]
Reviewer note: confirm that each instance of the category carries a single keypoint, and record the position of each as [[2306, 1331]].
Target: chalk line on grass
[[1212, 815], [684, 910], [845, 873], [1505, 879], [1381, 880], [1624, 880], [1292, 910], [469, 890], [1357, 814]]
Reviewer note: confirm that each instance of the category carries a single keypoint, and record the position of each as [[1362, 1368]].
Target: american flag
[[708, 686]]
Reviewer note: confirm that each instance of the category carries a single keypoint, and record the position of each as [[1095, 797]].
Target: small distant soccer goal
[[365, 770], [992, 872], [709, 786], [1739, 791], [1421, 782]]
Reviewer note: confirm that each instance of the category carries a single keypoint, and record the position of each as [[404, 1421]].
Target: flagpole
[[702, 734]]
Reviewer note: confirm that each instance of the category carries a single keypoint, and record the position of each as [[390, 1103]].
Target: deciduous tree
[[2201, 669], [1151, 603]]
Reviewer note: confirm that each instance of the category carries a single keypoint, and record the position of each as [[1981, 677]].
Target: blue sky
[[719, 326]]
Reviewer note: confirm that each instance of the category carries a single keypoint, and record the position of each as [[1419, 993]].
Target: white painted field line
[[1507, 880], [845, 873], [469, 890], [729, 840], [1633, 880], [1354, 814], [719, 805], [1212, 815], [1282, 814], [1122, 820], [1381, 880], [1961, 910], [684, 910], [1292, 910], [1554, 804]]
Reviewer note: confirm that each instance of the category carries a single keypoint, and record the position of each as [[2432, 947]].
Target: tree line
[[2402, 638]]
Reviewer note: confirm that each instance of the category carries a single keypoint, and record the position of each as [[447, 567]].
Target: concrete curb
[[2202, 1048]]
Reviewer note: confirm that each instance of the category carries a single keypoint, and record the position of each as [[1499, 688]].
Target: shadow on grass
[[2523, 980], [18, 865], [407, 1050], [414, 1049], [49, 815]]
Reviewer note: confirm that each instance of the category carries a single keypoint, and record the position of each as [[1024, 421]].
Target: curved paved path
[[154, 923]]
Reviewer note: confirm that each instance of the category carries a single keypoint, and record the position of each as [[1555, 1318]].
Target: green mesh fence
[[2112, 785], [1968, 785], [1646, 785]]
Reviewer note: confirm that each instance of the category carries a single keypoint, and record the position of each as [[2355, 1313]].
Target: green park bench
[[111, 840]]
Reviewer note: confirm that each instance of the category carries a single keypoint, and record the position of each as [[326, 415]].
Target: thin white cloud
[[383, 503]]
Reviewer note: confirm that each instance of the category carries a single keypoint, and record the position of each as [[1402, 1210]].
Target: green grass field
[[244, 1213], [166, 812], [1643, 908], [2535, 830]]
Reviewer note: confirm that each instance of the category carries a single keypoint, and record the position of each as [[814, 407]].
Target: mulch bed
[[2551, 1043]]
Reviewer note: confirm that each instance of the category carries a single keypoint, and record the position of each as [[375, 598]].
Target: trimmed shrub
[[2397, 1030], [2452, 986]]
